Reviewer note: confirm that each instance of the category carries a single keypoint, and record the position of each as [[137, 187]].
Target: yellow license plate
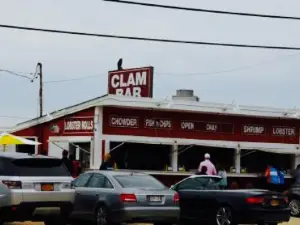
[[47, 187], [274, 203]]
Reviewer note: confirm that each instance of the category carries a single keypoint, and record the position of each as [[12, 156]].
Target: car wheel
[[101, 216], [224, 216], [294, 206]]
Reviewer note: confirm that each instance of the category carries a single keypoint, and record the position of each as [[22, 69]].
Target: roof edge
[[57, 114], [171, 105]]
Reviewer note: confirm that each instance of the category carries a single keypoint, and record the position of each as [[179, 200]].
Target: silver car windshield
[[139, 181]]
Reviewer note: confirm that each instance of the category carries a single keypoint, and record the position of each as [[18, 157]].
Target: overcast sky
[[257, 77]]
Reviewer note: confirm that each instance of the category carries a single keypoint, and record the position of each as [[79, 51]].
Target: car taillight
[[255, 200], [286, 199], [176, 198], [12, 184], [128, 198]]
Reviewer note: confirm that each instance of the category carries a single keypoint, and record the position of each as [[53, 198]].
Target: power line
[[204, 10], [29, 76], [234, 69], [73, 79], [15, 73], [184, 73], [148, 39], [14, 117]]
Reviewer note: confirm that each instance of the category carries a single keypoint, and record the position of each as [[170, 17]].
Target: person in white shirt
[[211, 169]]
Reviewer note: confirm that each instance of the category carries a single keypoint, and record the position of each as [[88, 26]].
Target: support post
[[296, 161], [237, 159], [92, 159], [97, 151], [77, 152], [174, 157], [107, 146]]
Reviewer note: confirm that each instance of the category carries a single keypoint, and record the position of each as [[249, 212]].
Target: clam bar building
[[168, 138]]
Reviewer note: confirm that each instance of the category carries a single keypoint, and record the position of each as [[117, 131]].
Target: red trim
[[203, 132]]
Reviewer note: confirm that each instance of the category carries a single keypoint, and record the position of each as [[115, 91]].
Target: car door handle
[[97, 195], [78, 193]]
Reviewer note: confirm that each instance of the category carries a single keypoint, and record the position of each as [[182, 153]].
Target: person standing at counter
[[222, 173], [211, 169], [274, 178], [76, 166], [66, 161], [203, 171], [107, 164]]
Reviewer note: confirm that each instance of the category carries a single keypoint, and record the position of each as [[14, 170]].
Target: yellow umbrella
[[9, 139]]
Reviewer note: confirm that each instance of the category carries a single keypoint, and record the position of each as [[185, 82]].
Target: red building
[[147, 134]]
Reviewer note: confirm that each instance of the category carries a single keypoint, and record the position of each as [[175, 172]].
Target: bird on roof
[[120, 64]]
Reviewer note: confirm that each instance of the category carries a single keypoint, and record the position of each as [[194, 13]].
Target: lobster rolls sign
[[136, 82]]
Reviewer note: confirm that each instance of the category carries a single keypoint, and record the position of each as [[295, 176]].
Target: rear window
[[33, 167], [138, 181]]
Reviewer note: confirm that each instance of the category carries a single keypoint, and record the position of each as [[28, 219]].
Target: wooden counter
[[171, 173]]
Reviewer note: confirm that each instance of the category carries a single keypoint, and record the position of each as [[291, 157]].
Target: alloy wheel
[[294, 206], [224, 216], [101, 217]]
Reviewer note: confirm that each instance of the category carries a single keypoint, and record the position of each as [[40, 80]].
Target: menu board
[[260, 131]]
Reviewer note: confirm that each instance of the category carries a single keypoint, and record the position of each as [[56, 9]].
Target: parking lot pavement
[[293, 221]]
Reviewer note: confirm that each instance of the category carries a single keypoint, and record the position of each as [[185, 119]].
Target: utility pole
[[40, 74]]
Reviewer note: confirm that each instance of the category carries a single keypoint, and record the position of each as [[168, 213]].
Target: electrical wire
[[14, 117], [29, 76], [204, 10], [15, 73], [262, 63], [162, 40], [72, 79], [184, 73]]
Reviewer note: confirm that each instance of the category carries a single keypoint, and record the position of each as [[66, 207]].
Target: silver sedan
[[107, 197]]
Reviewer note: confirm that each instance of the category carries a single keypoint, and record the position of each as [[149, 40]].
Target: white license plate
[[155, 198]]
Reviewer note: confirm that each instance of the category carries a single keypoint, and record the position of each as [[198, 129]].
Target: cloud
[[67, 57]]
